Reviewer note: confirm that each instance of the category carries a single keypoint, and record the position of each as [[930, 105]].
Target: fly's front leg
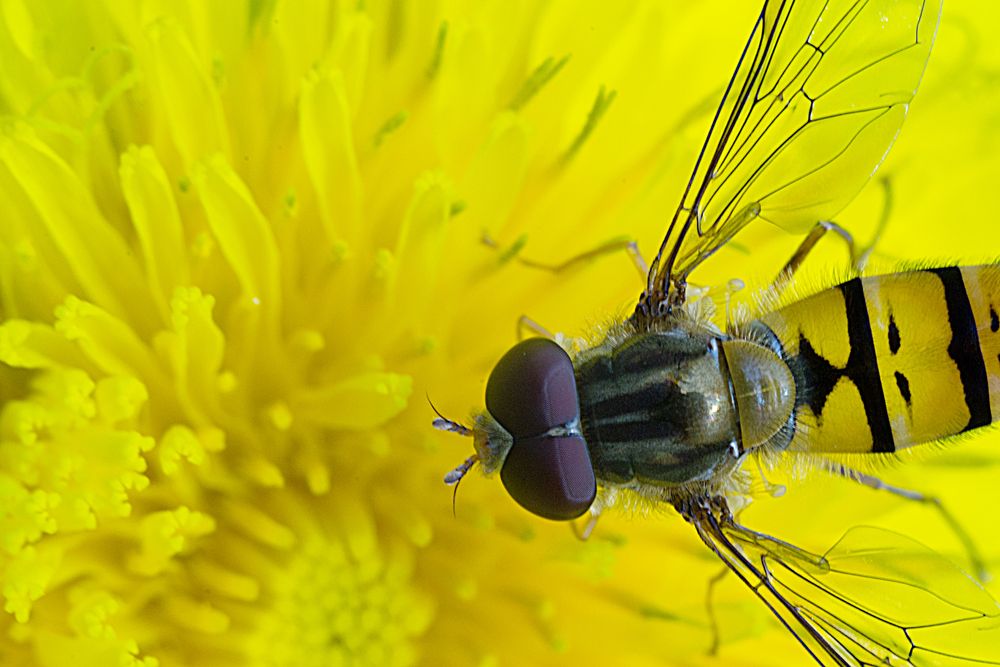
[[527, 326], [584, 532], [606, 497], [972, 552], [629, 246]]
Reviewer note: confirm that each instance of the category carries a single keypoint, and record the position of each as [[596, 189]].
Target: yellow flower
[[239, 242]]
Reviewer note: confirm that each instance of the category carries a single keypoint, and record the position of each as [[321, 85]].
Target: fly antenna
[[442, 423], [455, 477]]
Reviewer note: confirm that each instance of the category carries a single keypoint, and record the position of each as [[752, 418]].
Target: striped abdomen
[[886, 362]]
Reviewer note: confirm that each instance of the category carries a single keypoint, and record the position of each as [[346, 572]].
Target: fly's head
[[530, 432]]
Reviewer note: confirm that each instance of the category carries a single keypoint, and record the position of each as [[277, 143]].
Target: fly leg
[[808, 243], [608, 247], [859, 257], [971, 551], [606, 497], [527, 326], [714, 523], [584, 532], [713, 620]]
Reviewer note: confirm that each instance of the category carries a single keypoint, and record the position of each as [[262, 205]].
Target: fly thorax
[[763, 389], [657, 408]]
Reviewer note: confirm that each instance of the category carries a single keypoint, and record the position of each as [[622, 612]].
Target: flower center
[[333, 606]]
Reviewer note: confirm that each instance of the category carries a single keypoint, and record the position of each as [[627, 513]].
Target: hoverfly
[[670, 407]]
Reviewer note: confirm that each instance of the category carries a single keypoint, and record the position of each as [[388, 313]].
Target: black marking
[[656, 411], [994, 320], [815, 377], [893, 334], [964, 347], [862, 366], [641, 396], [904, 388], [663, 423]]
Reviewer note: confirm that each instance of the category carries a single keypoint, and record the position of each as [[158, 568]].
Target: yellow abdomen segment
[[886, 362]]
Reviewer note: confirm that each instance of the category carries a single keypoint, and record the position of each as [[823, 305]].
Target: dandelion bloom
[[239, 242]]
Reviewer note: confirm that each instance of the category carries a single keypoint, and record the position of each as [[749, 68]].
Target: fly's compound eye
[[550, 476], [531, 391]]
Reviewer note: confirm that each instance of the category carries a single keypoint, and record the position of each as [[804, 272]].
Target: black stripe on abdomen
[[964, 347], [862, 366]]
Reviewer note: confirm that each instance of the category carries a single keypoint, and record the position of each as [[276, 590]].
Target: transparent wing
[[816, 100], [875, 598]]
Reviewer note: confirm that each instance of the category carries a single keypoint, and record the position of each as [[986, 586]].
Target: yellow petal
[[157, 222], [328, 150], [70, 228], [186, 93], [360, 402]]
